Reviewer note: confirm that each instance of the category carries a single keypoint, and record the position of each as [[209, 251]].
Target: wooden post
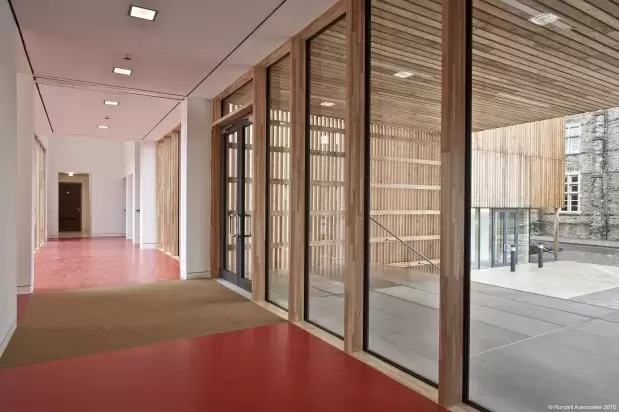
[[217, 174], [556, 233], [298, 149], [354, 179], [454, 133], [259, 154]]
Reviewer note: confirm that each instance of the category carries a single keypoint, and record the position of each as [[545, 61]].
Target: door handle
[[247, 226], [230, 226], [78, 209]]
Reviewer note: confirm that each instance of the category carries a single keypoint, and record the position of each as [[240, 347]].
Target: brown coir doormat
[[59, 325]]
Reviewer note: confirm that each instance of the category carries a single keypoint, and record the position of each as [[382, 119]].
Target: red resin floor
[[90, 262], [278, 368]]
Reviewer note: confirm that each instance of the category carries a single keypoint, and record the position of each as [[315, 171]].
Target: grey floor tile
[[546, 301], [530, 375], [529, 310], [604, 346], [608, 298], [510, 321], [404, 357], [600, 327], [613, 317]]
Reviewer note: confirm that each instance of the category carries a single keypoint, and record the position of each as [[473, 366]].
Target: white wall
[[103, 159], [148, 195], [195, 190], [8, 173]]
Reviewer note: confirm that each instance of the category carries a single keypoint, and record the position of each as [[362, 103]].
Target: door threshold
[[234, 288]]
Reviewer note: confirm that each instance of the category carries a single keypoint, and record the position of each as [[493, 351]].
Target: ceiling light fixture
[[142, 13], [102, 126], [70, 173], [126, 72], [403, 75], [111, 103], [543, 19], [327, 104]]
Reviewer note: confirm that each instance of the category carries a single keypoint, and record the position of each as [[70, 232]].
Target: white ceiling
[[73, 46]]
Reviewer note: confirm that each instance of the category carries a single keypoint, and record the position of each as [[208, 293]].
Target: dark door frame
[[241, 232], [79, 209]]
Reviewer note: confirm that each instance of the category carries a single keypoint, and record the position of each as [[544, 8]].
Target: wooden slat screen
[[168, 180]]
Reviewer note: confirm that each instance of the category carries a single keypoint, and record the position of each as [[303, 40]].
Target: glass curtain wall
[[326, 53], [278, 169], [546, 337], [404, 184]]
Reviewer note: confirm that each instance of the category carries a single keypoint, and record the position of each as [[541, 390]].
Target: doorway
[[69, 207], [505, 235], [238, 198]]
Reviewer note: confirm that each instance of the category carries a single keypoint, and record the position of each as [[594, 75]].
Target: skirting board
[[7, 337], [195, 275], [148, 246], [24, 290]]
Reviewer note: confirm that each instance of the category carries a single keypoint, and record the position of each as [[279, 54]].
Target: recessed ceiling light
[[101, 126], [111, 103], [543, 19], [403, 75], [142, 13], [70, 173], [126, 72], [327, 104]]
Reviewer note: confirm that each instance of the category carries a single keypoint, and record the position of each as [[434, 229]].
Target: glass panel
[[279, 182], [523, 236], [243, 96], [327, 107], [499, 238], [510, 235], [545, 338], [405, 154], [485, 239], [231, 209], [249, 199], [474, 239]]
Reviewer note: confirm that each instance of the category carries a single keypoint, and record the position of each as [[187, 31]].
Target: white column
[[195, 190], [8, 175], [129, 206], [25, 205], [136, 195], [148, 195]]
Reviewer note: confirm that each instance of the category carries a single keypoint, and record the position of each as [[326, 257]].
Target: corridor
[[96, 295]]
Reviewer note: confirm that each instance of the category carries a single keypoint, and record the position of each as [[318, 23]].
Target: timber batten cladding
[[168, 181], [524, 80]]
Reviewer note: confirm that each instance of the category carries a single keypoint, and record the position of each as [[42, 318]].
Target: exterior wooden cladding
[[298, 146], [520, 166], [354, 175], [259, 153], [168, 180], [455, 130]]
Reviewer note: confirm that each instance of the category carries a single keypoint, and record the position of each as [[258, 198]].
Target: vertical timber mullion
[[259, 154], [455, 131], [217, 173], [298, 149], [354, 178]]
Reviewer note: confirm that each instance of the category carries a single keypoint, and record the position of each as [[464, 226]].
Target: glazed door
[[504, 235], [238, 187]]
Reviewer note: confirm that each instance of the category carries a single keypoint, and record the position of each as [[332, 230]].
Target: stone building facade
[[594, 163]]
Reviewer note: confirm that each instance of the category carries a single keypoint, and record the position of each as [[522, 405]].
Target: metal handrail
[[404, 243]]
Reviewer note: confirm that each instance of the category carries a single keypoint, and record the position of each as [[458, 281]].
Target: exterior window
[[572, 193], [572, 138]]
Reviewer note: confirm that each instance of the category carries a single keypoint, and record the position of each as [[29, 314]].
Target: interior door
[[238, 197], [69, 207]]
